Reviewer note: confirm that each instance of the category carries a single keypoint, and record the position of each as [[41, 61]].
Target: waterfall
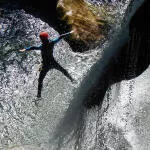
[[60, 120]]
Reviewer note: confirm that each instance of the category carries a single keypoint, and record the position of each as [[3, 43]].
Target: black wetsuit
[[48, 61]]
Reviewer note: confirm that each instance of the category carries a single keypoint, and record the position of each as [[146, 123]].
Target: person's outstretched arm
[[61, 36], [31, 48]]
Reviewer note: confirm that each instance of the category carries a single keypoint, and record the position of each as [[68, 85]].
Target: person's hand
[[22, 50], [72, 31]]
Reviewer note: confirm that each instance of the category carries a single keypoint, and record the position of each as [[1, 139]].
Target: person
[[48, 61]]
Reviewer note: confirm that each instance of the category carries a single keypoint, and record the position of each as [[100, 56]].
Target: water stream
[[60, 121]]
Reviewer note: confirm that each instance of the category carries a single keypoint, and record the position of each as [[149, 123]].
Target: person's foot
[[38, 95], [37, 101]]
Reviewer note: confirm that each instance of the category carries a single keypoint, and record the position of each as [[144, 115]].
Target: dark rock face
[[45, 9], [139, 44]]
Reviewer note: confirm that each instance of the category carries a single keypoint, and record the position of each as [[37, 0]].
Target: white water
[[60, 116]]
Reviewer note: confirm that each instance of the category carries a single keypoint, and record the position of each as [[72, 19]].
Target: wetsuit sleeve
[[60, 37], [33, 48]]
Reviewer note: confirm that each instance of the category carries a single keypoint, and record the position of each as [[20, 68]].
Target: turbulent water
[[59, 120]]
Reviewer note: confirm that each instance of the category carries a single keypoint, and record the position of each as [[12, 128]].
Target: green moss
[[103, 12]]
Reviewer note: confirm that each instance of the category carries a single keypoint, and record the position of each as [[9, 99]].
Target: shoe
[[38, 95]]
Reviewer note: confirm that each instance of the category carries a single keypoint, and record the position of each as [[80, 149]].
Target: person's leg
[[60, 68], [42, 75]]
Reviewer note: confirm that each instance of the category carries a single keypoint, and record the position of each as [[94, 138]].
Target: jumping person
[[48, 61]]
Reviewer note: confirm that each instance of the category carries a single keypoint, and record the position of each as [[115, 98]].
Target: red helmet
[[43, 35]]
